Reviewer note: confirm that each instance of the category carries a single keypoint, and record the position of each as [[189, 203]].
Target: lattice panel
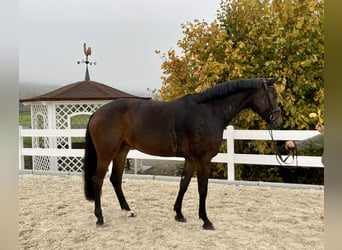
[[39, 118], [62, 117], [70, 164], [37, 111], [64, 112], [41, 163]]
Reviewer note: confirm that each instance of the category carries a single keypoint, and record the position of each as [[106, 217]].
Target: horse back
[[174, 128]]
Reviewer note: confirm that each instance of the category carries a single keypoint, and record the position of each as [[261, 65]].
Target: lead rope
[[281, 149]]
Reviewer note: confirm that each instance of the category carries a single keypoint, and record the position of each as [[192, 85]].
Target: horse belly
[[151, 128], [155, 142]]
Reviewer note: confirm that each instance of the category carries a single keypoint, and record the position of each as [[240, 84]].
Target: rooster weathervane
[[87, 52]]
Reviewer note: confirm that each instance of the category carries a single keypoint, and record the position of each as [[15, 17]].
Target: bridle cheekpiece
[[271, 114]]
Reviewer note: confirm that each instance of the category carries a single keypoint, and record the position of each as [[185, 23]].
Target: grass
[[25, 119]]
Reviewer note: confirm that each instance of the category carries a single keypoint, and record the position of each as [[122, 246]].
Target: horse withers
[[190, 127]]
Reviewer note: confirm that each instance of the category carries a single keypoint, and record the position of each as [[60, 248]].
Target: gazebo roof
[[82, 90]]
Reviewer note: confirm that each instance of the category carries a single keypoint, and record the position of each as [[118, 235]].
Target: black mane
[[228, 88]]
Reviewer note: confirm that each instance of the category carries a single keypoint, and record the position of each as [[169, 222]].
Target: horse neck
[[232, 105]]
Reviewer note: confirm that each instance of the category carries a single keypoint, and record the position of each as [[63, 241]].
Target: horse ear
[[270, 81]]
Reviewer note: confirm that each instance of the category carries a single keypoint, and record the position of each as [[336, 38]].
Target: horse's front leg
[[202, 179], [188, 171]]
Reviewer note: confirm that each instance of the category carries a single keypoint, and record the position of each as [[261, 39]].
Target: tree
[[255, 38], [201, 64]]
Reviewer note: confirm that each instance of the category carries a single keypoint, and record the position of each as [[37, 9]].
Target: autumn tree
[[255, 38]]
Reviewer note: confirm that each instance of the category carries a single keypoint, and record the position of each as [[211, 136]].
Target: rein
[[280, 148]]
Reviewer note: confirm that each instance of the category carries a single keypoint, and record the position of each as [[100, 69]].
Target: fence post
[[21, 145], [230, 153]]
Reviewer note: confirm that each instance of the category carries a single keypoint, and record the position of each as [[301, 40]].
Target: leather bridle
[[271, 115], [280, 148]]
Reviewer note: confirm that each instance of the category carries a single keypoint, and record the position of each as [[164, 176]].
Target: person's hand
[[320, 127], [290, 145]]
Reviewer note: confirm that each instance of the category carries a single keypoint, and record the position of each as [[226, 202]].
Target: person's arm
[[315, 142]]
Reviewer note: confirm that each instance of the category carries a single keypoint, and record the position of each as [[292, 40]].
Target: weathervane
[[87, 52]]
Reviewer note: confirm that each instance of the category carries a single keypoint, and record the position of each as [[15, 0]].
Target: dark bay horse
[[189, 127]]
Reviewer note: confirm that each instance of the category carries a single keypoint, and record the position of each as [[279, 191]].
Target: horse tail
[[90, 163]]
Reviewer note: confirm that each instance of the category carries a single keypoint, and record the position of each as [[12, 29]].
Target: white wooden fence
[[230, 158]]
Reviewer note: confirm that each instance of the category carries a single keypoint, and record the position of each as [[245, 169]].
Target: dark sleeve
[[315, 142]]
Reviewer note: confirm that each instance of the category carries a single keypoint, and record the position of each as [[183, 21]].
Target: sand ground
[[55, 215]]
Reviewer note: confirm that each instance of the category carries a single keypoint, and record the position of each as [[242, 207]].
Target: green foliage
[[255, 38], [79, 122], [218, 171], [25, 119]]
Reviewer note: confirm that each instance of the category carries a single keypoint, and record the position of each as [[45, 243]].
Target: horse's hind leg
[[116, 177], [188, 171], [102, 167]]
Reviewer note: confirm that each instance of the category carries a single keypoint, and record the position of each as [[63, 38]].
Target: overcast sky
[[123, 35]]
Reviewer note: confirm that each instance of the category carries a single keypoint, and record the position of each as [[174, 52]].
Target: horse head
[[265, 104]]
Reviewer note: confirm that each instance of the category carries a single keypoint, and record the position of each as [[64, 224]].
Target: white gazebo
[[65, 108]]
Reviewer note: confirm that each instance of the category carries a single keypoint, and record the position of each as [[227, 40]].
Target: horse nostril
[[272, 117], [276, 122]]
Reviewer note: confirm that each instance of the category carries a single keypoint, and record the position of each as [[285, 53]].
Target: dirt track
[[55, 215]]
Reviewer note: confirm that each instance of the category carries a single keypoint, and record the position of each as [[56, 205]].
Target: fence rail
[[230, 158]]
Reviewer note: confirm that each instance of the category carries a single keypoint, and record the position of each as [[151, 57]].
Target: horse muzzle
[[275, 119]]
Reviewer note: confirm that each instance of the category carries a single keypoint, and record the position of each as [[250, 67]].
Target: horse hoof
[[180, 219], [131, 214], [208, 227], [100, 225]]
